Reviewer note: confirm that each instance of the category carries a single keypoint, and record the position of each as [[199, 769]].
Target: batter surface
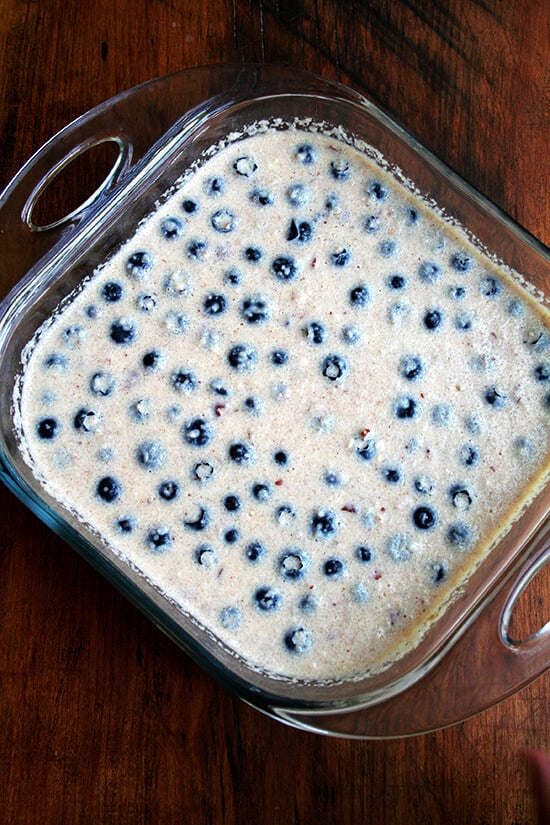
[[297, 400]]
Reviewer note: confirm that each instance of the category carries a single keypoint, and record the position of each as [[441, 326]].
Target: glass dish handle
[[485, 666]]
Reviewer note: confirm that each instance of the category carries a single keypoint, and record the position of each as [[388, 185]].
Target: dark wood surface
[[102, 719]]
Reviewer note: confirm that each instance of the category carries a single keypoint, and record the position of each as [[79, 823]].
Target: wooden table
[[102, 719]]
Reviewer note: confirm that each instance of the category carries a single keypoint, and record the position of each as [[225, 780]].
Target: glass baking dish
[[467, 660]]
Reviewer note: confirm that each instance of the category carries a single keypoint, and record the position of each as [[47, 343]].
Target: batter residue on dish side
[[297, 401]]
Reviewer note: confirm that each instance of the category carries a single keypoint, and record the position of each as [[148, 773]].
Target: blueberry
[[405, 407], [366, 449], [171, 228], [331, 201], [340, 258], [189, 206], [439, 571], [468, 455], [159, 539], [123, 331], [200, 523], [411, 215], [411, 367], [176, 322], [255, 309], [398, 313], [536, 340], [284, 268], [150, 455], [285, 514], [126, 524], [333, 568], [261, 197], [217, 387], [102, 384], [267, 599], [138, 264], [152, 360], [253, 254], [55, 362], [298, 194], [86, 420], [112, 292], [245, 166], [458, 535], [230, 618], [183, 380], [224, 220], [202, 472], [429, 272], [387, 247], [323, 524], [300, 231], [490, 287], [242, 358], [146, 302], [424, 517], [197, 432], [460, 497], [396, 281], [168, 490], [280, 457], [339, 168], [205, 555], [252, 405], [231, 536], [254, 551], [232, 503], [331, 479], [472, 424], [214, 304], [464, 321], [298, 640], [314, 332], [293, 564], [377, 190], [364, 554], [241, 453], [397, 547], [279, 357], [441, 414], [350, 335], [359, 296], [515, 308], [495, 398], [261, 491], [73, 336], [47, 428], [456, 293], [461, 262], [108, 489], [214, 187], [432, 319], [233, 277], [196, 249], [371, 224], [424, 485], [334, 367], [306, 154], [542, 373], [307, 603], [391, 475]]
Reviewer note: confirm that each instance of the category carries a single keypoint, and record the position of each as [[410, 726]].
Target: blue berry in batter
[[424, 517], [432, 319], [461, 262], [183, 380], [197, 432], [334, 367], [171, 228], [371, 224], [159, 539], [261, 197], [125, 524], [261, 491], [108, 489], [253, 254], [298, 194], [293, 564], [464, 321], [284, 268], [334, 568], [224, 220], [146, 303], [307, 603], [168, 490], [123, 331], [429, 272], [298, 640], [241, 453], [359, 296], [252, 405], [456, 293], [377, 190], [396, 281], [232, 503], [214, 304], [350, 335], [230, 618], [411, 367], [202, 472], [438, 572], [200, 523], [411, 215], [231, 536], [397, 548], [242, 357], [267, 599], [331, 201], [458, 535], [102, 384], [205, 555], [214, 187], [86, 420], [112, 292], [424, 485], [366, 449], [340, 169], [73, 336], [152, 360], [254, 551], [176, 322], [233, 277], [314, 332], [47, 428], [280, 457], [245, 166], [306, 154], [150, 455], [441, 415], [490, 287], [340, 258], [217, 387], [323, 524], [190, 206], [299, 231], [468, 455], [331, 479], [196, 249], [391, 475], [387, 247], [460, 496], [542, 373], [495, 398], [405, 407], [55, 362], [255, 309], [138, 265], [364, 553], [279, 357]]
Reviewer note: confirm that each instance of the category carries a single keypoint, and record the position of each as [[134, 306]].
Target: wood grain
[[102, 719]]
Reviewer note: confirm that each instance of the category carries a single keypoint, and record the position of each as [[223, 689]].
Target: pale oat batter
[[297, 400]]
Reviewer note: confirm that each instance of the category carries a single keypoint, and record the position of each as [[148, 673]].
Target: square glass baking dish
[[466, 661]]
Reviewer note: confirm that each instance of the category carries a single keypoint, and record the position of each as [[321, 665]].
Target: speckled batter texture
[[297, 400]]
